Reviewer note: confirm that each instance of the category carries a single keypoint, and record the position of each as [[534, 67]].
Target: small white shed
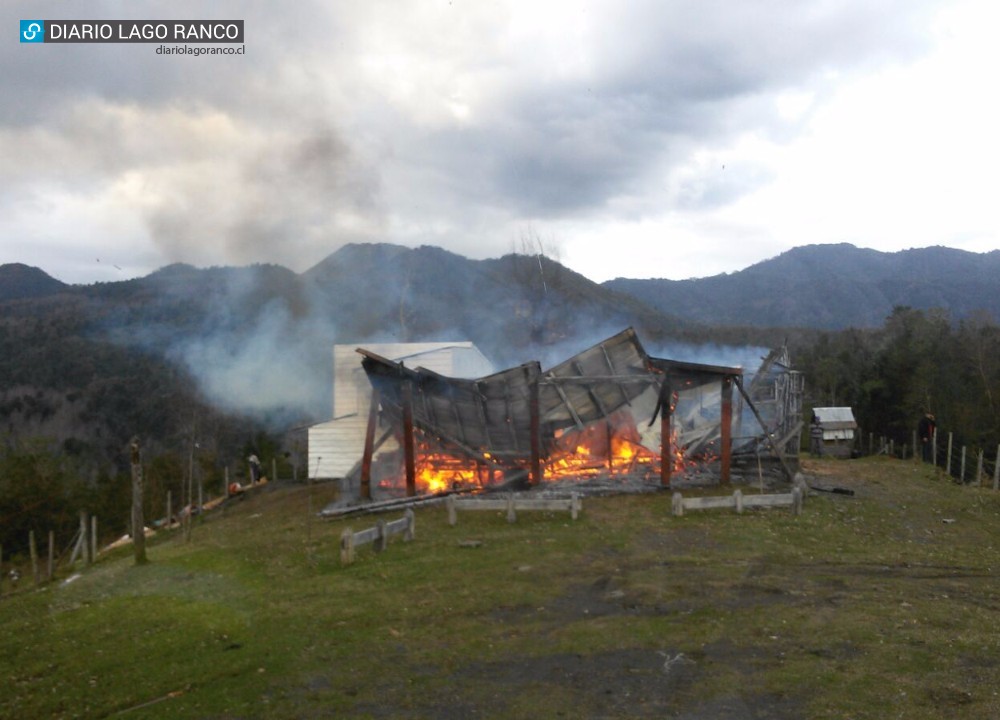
[[838, 426], [336, 446]]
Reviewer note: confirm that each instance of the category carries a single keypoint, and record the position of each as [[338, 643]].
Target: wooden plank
[[542, 504], [366, 536], [783, 500], [489, 504], [709, 503], [512, 504], [738, 501]]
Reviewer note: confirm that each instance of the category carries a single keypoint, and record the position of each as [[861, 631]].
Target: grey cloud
[[666, 78], [305, 144]]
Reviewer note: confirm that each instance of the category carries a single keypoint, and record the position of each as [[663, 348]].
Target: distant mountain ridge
[[830, 287], [88, 366], [238, 348], [19, 281]]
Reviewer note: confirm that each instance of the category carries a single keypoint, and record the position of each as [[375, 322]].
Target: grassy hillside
[[873, 606]]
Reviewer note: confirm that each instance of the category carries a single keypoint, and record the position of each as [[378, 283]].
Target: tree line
[[919, 360]]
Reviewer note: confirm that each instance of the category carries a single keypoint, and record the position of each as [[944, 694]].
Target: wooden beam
[[369, 452], [536, 431], [649, 379], [611, 367], [569, 406], [409, 449], [666, 413], [590, 391], [774, 446], [727, 428]]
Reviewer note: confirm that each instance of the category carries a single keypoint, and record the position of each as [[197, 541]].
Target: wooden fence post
[[511, 515], [575, 505], [979, 470], [961, 476], [170, 508], [916, 447], [88, 547], [274, 469], [34, 556], [738, 499], [381, 539], [796, 500], [677, 504], [347, 546], [948, 456], [52, 554], [452, 514], [871, 443], [996, 470], [411, 525], [138, 521]]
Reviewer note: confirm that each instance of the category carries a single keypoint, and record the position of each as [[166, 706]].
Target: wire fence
[[968, 464]]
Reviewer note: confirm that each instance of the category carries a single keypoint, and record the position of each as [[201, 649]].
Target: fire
[[611, 448]]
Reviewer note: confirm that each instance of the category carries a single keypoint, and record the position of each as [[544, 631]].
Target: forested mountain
[[831, 286], [207, 365], [186, 348], [18, 281]]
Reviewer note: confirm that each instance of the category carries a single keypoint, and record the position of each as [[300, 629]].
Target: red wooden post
[[727, 427], [366, 459], [666, 449], [536, 440], [409, 451]]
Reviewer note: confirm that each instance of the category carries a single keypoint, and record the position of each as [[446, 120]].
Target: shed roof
[[836, 418]]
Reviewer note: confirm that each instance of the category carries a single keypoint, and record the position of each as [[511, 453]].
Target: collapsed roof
[[492, 418]]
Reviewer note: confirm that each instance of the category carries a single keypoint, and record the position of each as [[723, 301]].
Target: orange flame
[[605, 449]]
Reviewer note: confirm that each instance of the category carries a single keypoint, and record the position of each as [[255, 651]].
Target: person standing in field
[[816, 437], [925, 429]]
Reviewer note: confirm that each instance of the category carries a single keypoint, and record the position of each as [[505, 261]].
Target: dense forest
[[917, 361], [208, 366]]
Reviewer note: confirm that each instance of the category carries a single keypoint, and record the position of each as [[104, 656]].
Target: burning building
[[335, 445], [610, 413]]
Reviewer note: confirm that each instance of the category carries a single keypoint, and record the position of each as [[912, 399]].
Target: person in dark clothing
[[925, 429], [254, 469], [816, 437]]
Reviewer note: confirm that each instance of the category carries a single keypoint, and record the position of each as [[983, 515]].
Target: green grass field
[[880, 605]]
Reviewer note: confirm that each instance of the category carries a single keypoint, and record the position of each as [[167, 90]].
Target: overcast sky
[[637, 139]]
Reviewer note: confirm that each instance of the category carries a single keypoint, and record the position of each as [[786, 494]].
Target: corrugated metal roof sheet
[[836, 418], [493, 414]]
